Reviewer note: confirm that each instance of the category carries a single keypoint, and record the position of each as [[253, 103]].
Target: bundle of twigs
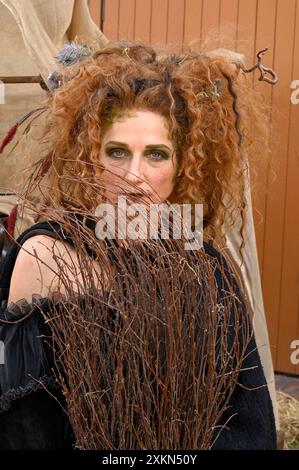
[[148, 352]]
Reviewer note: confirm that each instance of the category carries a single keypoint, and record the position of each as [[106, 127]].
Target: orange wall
[[254, 24]]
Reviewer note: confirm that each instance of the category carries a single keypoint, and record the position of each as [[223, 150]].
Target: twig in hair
[[263, 70]]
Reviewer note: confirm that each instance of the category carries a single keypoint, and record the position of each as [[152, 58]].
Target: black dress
[[33, 418]]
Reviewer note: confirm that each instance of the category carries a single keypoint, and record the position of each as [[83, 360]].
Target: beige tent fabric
[[31, 33], [250, 274], [46, 25]]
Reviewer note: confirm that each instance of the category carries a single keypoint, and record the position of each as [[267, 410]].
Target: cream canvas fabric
[[31, 34], [251, 276]]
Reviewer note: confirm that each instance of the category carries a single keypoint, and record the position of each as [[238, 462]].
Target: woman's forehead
[[144, 126]]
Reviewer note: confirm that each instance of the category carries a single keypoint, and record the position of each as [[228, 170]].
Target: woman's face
[[137, 147]]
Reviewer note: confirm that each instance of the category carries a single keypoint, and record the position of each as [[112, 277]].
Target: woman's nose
[[134, 170]]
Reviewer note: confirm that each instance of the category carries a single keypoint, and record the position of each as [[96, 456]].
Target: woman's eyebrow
[[154, 146], [151, 146], [114, 142]]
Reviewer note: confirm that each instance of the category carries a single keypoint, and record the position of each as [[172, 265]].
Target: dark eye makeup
[[117, 153], [157, 155], [153, 153]]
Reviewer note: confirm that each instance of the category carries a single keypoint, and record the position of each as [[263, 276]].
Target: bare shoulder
[[45, 265], [36, 267]]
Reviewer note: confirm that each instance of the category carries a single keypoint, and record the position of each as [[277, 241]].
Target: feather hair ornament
[[70, 54]]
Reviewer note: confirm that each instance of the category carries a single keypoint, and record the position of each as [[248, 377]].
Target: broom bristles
[[148, 352]]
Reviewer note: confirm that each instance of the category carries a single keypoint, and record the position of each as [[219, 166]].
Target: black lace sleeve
[[27, 358], [32, 411]]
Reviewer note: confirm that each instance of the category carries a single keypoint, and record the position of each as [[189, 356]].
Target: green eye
[[117, 153], [158, 155]]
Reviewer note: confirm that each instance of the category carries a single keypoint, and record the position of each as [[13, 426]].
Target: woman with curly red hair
[[162, 129]]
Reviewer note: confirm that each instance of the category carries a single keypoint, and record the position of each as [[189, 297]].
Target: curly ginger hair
[[215, 123]]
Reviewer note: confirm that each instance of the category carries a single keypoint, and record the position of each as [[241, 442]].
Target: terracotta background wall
[[251, 25]]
